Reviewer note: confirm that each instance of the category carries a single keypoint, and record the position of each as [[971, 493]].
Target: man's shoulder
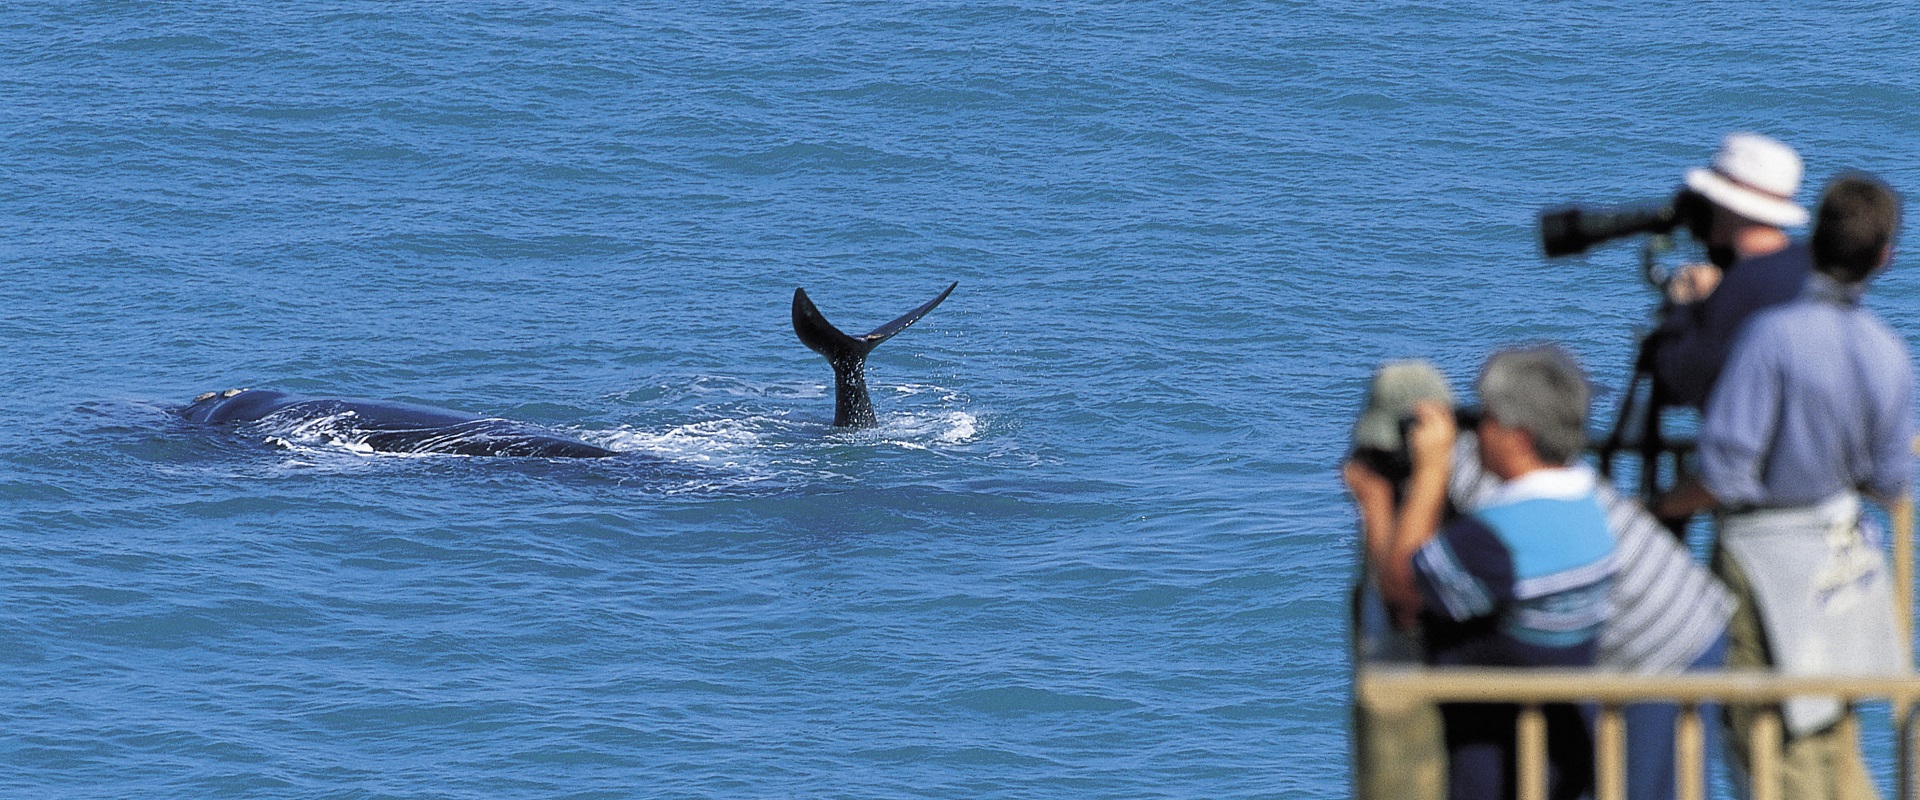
[[1551, 534], [1773, 277], [1551, 522], [1545, 511], [1550, 497], [1786, 324], [1777, 323], [1879, 329]]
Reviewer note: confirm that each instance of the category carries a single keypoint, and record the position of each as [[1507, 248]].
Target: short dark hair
[[1855, 223]]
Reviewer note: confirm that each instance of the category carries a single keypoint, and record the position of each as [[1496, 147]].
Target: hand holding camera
[[1691, 283], [1430, 436]]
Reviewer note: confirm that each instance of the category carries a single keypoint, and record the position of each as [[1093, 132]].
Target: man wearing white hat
[[1750, 186]]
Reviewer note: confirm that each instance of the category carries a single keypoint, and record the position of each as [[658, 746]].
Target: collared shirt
[[1524, 580], [1816, 400], [1695, 338], [1667, 609]]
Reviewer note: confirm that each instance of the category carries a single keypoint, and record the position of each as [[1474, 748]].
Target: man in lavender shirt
[[1813, 408]]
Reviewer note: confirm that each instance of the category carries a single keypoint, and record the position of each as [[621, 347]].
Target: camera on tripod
[[1574, 230]]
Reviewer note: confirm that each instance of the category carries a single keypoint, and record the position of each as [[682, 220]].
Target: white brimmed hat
[[1753, 176], [1397, 386]]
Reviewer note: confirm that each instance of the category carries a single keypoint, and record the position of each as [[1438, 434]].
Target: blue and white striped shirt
[[1536, 562], [1667, 609]]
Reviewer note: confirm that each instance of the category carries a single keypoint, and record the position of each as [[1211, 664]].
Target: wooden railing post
[[1901, 515], [1764, 752], [1610, 754], [1531, 731], [1689, 754]]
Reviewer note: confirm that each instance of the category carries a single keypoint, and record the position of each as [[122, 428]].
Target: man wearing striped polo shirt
[[1669, 616], [1523, 581]]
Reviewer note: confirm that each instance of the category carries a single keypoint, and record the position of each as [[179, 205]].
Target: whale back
[[236, 405], [389, 427]]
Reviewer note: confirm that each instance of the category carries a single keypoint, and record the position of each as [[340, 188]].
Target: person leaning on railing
[[1397, 753], [1669, 615], [1521, 582], [1814, 405]]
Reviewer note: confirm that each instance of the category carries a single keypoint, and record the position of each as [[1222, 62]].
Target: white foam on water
[[719, 442], [333, 432], [928, 431], [946, 423]]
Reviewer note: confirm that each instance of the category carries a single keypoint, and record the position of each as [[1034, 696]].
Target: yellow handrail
[[1396, 689]]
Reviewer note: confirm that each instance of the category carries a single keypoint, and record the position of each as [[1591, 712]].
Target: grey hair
[[1542, 391]]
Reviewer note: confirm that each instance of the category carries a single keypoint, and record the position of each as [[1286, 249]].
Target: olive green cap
[[1397, 386]]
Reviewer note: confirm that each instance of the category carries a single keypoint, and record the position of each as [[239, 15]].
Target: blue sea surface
[[1096, 547]]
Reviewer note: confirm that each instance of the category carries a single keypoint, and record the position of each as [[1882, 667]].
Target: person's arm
[[1738, 428], [1685, 500], [1430, 444], [1373, 497], [1891, 440]]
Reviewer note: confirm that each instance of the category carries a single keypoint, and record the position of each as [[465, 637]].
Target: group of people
[[1488, 542]]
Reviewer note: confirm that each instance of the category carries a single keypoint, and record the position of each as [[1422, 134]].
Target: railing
[[1395, 689], [1391, 689]]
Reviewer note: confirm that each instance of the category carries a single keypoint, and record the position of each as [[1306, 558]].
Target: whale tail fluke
[[852, 407]]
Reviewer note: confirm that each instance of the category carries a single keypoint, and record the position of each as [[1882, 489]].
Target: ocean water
[[1096, 547]]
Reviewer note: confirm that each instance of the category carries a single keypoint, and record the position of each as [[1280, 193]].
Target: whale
[[389, 427], [852, 405]]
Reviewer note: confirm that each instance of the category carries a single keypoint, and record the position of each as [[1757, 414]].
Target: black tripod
[[1637, 430]]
